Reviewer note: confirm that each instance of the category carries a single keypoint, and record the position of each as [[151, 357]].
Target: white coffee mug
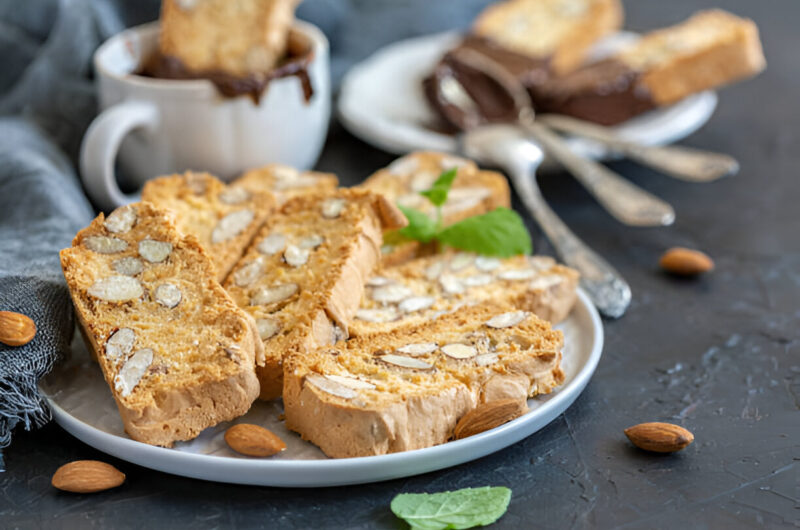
[[163, 126]]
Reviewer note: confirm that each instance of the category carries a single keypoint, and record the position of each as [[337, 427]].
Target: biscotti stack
[[239, 39], [408, 389], [303, 276], [474, 191], [424, 289], [176, 351], [300, 262], [223, 218]]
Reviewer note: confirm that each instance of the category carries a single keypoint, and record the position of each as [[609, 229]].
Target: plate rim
[[305, 473], [375, 133]]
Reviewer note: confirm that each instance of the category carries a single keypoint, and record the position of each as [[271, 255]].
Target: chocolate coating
[[295, 63]]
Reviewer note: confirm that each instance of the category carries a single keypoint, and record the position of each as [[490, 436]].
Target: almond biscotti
[[556, 32], [285, 182], [473, 192], [407, 390], [223, 218], [176, 351], [233, 37], [424, 289], [303, 276], [710, 49]]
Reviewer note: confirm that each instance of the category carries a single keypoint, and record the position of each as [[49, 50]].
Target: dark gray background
[[718, 355]]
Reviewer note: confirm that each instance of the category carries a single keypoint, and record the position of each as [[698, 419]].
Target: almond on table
[[303, 276], [409, 389], [223, 218], [175, 350]]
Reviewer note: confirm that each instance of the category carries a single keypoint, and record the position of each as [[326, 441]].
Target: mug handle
[[101, 144]]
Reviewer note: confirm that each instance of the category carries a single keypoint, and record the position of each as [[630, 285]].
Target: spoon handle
[[693, 165], [606, 288], [627, 202]]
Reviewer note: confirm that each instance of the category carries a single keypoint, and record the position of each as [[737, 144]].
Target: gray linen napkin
[[46, 102]]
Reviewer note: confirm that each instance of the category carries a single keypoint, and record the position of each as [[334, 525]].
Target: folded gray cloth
[[46, 102]]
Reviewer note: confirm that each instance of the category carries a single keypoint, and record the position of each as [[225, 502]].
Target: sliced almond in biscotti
[[410, 388], [312, 259], [176, 351], [473, 192], [223, 218], [423, 289], [285, 182]]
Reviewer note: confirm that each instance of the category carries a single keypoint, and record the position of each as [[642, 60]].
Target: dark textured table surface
[[719, 355]]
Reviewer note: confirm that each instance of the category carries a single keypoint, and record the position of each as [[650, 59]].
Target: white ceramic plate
[[381, 101], [82, 404]]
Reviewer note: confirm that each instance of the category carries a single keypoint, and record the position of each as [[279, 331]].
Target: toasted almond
[[685, 262], [659, 437], [87, 476], [16, 329], [488, 416], [253, 440]]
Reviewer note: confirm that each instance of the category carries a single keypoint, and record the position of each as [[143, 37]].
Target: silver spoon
[[627, 202], [508, 146], [685, 163]]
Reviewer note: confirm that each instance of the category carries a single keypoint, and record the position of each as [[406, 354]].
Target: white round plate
[[382, 102], [82, 404]]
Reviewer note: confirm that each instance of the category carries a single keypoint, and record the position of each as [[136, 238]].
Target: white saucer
[[381, 101], [82, 404]]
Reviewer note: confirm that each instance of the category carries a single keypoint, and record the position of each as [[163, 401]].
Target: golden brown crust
[[238, 37], [307, 301], [710, 49], [559, 31], [205, 207], [201, 347], [354, 399]]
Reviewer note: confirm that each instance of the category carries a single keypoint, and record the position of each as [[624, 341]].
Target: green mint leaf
[[438, 192], [420, 226], [466, 508], [500, 233]]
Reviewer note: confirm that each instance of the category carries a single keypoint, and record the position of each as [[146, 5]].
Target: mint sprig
[[465, 508], [500, 233]]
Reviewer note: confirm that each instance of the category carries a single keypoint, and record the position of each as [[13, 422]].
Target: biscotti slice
[[303, 276], [473, 192], [408, 389], [238, 38], [424, 289], [285, 182], [555, 32], [176, 351], [710, 49], [223, 218]]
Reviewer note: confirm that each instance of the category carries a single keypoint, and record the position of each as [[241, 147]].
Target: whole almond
[[87, 476], [488, 416], [659, 437], [685, 262], [16, 329], [253, 440]]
